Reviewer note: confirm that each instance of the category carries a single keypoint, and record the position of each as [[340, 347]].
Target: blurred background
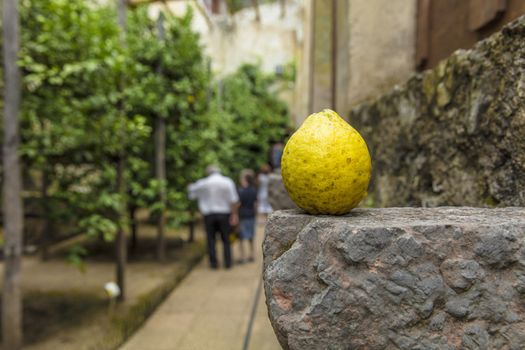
[[124, 103]]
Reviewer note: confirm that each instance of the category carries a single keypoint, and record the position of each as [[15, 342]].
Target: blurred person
[[276, 155], [247, 212], [263, 206], [218, 203]]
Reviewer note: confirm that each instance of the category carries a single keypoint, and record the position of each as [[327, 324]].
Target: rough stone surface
[[397, 278], [277, 195], [453, 135]]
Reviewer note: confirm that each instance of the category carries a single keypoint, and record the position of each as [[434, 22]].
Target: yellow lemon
[[326, 165]]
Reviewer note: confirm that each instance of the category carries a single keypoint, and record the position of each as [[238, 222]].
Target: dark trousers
[[218, 223]]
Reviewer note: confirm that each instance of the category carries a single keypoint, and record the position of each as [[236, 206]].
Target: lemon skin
[[326, 165]]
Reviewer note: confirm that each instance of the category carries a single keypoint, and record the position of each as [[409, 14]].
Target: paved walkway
[[211, 309]]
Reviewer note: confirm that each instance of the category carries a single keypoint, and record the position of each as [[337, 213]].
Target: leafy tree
[[72, 64], [170, 81], [249, 119], [78, 117]]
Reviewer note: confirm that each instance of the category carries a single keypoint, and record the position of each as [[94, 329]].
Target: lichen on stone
[[459, 125]]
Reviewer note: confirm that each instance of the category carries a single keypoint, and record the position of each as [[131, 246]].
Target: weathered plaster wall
[[454, 135], [231, 41], [381, 46], [304, 59], [375, 49]]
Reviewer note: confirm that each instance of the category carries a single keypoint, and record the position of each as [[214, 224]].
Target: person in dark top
[[276, 155], [247, 212]]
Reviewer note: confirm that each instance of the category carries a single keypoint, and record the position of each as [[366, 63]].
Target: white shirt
[[215, 194]]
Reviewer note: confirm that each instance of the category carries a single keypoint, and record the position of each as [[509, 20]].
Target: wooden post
[[12, 184], [132, 209], [120, 244], [160, 162], [45, 234]]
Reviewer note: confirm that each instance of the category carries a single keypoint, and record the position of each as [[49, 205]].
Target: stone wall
[[454, 135], [397, 278], [277, 194]]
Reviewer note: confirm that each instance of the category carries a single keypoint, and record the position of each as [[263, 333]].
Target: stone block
[[277, 195], [397, 278]]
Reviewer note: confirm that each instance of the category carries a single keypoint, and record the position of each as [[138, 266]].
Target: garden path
[[212, 309]]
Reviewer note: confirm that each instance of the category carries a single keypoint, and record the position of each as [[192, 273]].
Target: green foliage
[[89, 98], [236, 5], [72, 125], [249, 117], [170, 82], [75, 257], [289, 72]]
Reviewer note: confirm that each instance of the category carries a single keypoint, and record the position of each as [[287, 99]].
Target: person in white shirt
[[218, 203]]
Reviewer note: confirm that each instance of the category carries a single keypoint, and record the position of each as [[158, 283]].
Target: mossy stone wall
[[453, 135]]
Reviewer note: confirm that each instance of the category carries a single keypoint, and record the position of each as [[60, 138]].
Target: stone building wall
[[231, 41], [381, 48], [374, 49], [454, 135]]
